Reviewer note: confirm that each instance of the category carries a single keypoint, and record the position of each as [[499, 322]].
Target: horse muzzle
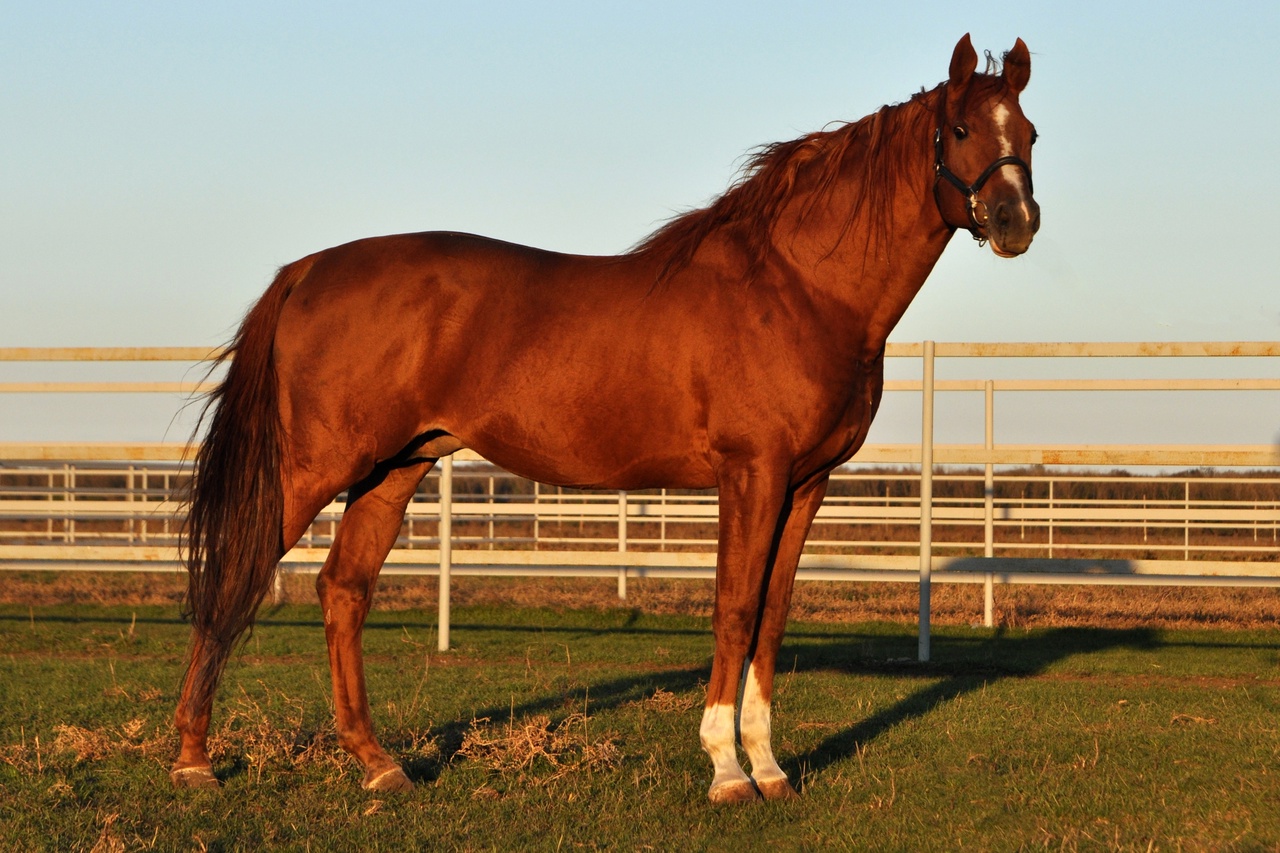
[[1011, 224]]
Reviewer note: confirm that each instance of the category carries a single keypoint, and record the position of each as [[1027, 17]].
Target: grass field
[[569, 729]]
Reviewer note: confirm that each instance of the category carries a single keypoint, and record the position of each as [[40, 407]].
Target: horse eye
[[960, 131], [1034, 136]]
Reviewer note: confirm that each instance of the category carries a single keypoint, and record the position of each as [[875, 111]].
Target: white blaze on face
[[1001, 115], [1013, 175]]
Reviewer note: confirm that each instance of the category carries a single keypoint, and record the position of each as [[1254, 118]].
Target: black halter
[[970, 191]]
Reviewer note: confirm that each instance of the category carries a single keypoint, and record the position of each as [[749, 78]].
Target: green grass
[[1054, 738]]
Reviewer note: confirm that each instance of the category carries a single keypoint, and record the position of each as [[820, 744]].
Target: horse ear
[[964, 61], [1017, 66]]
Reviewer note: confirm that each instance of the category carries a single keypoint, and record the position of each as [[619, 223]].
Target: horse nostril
[[1002, 217]]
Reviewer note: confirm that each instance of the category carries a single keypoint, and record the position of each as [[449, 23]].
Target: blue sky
[[160, 160]]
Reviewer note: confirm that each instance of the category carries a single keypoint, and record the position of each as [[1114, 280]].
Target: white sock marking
[[757, 730], [717, 735]]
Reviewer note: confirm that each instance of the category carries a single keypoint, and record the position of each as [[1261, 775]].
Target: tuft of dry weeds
[[136, 738], [24, 757], [128, 739], [665, 702], [522, 747], [273, 733]]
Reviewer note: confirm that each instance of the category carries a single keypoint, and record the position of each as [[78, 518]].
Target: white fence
[[984, 513]]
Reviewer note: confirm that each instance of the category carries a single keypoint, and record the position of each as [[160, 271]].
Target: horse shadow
[[595, 695], [962, 664]]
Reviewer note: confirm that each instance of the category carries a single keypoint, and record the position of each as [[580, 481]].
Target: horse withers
[[740, 347]]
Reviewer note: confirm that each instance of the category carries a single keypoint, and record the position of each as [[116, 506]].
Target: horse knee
[[733, 628]]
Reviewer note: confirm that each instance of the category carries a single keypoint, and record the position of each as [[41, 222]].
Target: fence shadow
[[960, 666]]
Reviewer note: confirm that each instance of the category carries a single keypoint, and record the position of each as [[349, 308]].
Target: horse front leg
[[366, 534], [755, 720], [751, 500]]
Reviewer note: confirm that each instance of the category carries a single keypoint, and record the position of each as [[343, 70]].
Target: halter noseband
[[970, 191]]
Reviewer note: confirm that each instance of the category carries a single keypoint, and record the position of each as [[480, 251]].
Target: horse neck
[[864, 263]]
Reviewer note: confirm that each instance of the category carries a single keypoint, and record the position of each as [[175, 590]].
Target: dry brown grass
[[665, 702], [271, 733], [108, 589], [953, 604], [533, 748], [131, 738], [75, 745]]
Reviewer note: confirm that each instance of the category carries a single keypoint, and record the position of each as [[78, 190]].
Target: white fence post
[[446, 548], [989, 491], [622, 543], [926, 501]]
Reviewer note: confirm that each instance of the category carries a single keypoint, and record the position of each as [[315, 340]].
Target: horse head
[[982, 132]]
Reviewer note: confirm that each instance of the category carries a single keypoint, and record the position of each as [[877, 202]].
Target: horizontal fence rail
[[139, 503], [971, 513]]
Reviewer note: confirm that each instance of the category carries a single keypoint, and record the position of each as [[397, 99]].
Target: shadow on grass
[[601, 695], [961, 665]]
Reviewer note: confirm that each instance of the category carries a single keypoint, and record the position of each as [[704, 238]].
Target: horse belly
[[585, 429]]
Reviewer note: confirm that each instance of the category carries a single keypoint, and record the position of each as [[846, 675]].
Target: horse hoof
[[777, 789], [193, 777], [737, 791], [387, 780]]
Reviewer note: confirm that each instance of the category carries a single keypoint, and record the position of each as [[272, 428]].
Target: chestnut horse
[[740, 347]]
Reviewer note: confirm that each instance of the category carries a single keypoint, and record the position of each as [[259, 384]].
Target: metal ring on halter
[[974, 201]]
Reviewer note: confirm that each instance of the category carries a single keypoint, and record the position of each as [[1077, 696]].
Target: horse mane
[[872, 156]]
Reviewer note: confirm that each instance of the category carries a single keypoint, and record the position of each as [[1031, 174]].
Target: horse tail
[[233, 536]]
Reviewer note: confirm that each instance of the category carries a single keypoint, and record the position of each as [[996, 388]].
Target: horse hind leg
[[193, 767], [366, 534], [304, 494]]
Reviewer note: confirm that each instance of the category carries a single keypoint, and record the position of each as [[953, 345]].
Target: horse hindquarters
[[254, 494]]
